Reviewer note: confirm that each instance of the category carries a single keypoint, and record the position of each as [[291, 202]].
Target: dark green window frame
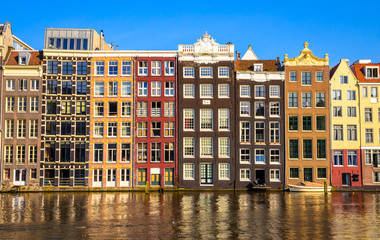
[[307, 123]]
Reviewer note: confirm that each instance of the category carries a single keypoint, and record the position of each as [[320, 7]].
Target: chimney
[[117, 47], [237, 55], [112, 45], [249, 47]]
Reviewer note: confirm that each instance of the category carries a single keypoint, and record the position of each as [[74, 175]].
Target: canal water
[[190, 215]]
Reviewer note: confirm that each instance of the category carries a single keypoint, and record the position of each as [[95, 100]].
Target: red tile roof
[[35, 58], [332, 70], [247, 65], [358, 70]]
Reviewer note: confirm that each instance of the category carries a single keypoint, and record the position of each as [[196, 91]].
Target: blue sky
[[343, 29]]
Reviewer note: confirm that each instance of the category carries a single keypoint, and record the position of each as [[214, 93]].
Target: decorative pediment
[[306, 58]]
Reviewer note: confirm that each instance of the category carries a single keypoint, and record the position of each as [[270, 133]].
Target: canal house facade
[[206, 108], [259, 127]]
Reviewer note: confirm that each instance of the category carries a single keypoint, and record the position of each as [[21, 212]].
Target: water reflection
[[206, 215]]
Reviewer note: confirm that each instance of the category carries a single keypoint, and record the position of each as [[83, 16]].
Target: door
[[111, 178], [260, 177], [97, 178], [155, 181], [308, 174], [125, 177], [141, 176], [20, 177], [169, 177], [346, 179]]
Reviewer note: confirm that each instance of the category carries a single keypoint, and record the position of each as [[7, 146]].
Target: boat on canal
[[308, 187]]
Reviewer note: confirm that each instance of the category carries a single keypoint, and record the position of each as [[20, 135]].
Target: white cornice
[[260, 76], [117, 53]]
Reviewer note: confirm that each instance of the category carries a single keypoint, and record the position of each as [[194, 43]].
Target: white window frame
[[223, 91], [245, 175], [126, 68], [224, 171], [188, 72], [142, 88], [155, 68], [188, 171], [245, 91], [99, 68], [205, 72], [189, 113], [169, 68], [169, 89], [97, 88], [142, 69], [245, 109], [189, 143], [206, 91], [206, 118], [188, 91], [124, 129], [224, 147], [223, 72], [223, 118], [206, 147], [274, 175]]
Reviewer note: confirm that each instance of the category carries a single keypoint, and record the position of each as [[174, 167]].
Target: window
[[259, 109], [125, 129], [142, 129], [224, 147], [223, 91], [351, 112], [10, 85], [188, 171], [245, 109], [224, 119], [156, 89], [372, 72], [260, 91], [81, 87], [51, 87], [365, 92], [142, 109], [98, 129], [126, 68], [33, 128], [338, 132], [274, 156], [98, 152], [188, 118], [50, 152], [224, 171], [206, 91], [156, 68], [142, 89], [259, 132], [52, 67], [20, 157], [306, 100], [34, 85], [99, 109], [67, 87], [306, 123], [306, 78], [10, 103], [21, 128], [156, 109], [169, 129], [321, 123], [169, 68], [169, 109], [274, 109], [343, 80], [81, 68], [320, 100], [244, 132], [80, 128], [155, 129], [8, 154], [9, 126], [245, 91], [206, 72], [206, 119], [307, 148], [188, 91], [67, 68], [51, 128], [274, 91], [321, 148], [368, 114], [223, 72], [293, 76], [169, 152], [337, 111], [373, 92], [293, 123], [206, 173], [112, 109], [112, 129], [81, 108], [143, 68], [319, 76], [126, 89], [206, 147], [351, 95], [352, 158], [322, 173], [337, 95], [188, 146], [351, 133], [125, 152], [338, 158], [293, 148], [245, 155], [274, 132], [112, 152], [32, 154], [22, 85], [142, 152], [155, 149], [99, 68], [99, 88], [169, 89], [188, 72], [293, 100], [260, 155], [112, 89], [65, 128], [258, 67], [294, 173], [22, 104], [65, 152], [245, 175], [376, 177], [112, 68], [369, 135], [275, 175], [126, 108]]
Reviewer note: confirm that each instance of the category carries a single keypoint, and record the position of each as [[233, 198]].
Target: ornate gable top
[[306, 58]]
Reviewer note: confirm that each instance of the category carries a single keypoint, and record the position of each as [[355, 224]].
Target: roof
[[332, 70], [1, 28], [35, 58], [247, 65], [358, 70]]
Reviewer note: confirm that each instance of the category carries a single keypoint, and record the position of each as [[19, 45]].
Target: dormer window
[[372, 72], [22, 60], [258, 67]]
